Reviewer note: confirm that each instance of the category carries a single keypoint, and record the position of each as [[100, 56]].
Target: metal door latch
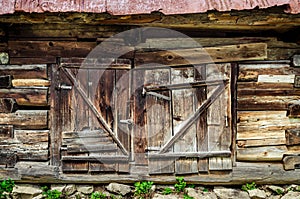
[[129, 122], [64, 87]]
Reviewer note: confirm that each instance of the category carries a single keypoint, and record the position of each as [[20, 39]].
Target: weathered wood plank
[[8, 105], [33, 60], [261, 134], [219, 118], [159, 120], [83, 148], [292, 136], [30, 82], [183, 108], [49, 48], [27, 151], [25, 119], [255, 51], [138, 112], [33, 71], [265, 120], [75, 166], [266, 153], [101, 158], [31, 136], [261, 142], [201, 124], [66, 31], [271, 102], [5, 81], [99, 133], [276, 78], [251, 72], [220, 163], [27, 96], [40, 171], [200, 155], [161, 166], [99, 167], [90, 63]]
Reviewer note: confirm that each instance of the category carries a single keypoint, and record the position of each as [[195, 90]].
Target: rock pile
[[116, 190]]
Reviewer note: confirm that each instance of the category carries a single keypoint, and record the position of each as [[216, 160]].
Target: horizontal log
[[260, 134], [31, 136], [253, 102], [231, 53], [250, 72], [26, 119], [66, 31], [33, 60], [266, 153], [247, 86], [266, 120], [24, 71], [8, 105], [5, 81], [30, 82], [276, 78], [36, 151], [27, 96], [39, 171], [190, 155], [49, 48], [102, 158], [261, 142]]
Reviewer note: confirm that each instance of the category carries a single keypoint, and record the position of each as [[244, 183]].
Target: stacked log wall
[[267, 101]]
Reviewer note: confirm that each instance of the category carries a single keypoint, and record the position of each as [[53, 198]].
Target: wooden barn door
[[167, 119], [183, 118], [90, 130]]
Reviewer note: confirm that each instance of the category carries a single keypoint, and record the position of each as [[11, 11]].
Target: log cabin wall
[[264, 97]]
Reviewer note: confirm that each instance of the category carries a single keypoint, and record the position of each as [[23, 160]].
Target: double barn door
[[121, 116]]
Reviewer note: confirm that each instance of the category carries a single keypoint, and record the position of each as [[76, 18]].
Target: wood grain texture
[[30, 82], [26, 119], [24, 71], [255, 51], [27, 96], [265, 153]]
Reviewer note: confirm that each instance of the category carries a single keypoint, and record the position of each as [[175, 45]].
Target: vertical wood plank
[[159, 128], [219, 118], [201, 125], [183, 107], [139, 117], [56, 117]]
